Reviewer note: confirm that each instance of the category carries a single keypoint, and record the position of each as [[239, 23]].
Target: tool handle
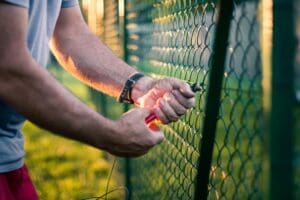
[[150, 118], [195, 88]]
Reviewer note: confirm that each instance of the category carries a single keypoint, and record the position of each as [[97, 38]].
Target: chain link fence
[[238, 160], [175, 38]]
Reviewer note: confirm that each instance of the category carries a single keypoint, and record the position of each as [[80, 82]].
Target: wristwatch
[[125, 96]]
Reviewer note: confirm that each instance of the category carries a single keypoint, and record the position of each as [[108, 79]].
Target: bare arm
[[32, 91], [81, 53], [84, 55]]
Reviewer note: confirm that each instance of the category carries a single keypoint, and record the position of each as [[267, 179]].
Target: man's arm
[[81, 53], [32, 91]]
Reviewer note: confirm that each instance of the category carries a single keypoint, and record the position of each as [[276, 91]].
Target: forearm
[[86, 57], [32, 91]]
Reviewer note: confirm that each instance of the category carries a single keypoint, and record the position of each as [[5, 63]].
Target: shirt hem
[[11, 167], [21, 4], [67, 4]]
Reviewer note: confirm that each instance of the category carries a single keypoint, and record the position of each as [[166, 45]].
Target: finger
[[130, 151], [137, 153], [158, 136], [128, 154], [186, 90], [160, 115], [155, 138], [167, 110], [183, 87], [142, 112], [176, 106], [186, 102]]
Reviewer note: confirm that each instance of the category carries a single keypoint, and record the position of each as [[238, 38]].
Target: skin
[[33, 92]]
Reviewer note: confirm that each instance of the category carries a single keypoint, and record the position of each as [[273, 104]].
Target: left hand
[[167, 98]]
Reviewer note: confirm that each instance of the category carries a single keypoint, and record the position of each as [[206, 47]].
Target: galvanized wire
[[174, 38], [237, 168], [166, 41]]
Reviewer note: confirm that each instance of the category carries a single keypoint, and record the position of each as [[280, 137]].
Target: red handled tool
[[195, 88]]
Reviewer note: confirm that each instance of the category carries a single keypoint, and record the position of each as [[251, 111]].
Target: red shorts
[[17, 185]]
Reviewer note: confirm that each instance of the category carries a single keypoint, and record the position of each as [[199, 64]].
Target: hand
[[132, 137], [168, 98]]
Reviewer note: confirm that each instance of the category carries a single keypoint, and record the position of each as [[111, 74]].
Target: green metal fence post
[[283, 100], [213, 99], [123, 24], [127, 178]]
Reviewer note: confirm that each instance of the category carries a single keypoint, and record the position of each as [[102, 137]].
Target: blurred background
[[256, 145]]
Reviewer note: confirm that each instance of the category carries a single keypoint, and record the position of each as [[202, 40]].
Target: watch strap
[[125, 96]]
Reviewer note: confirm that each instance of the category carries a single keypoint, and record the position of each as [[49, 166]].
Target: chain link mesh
[[237, 162], [165, 40], [175, 38]]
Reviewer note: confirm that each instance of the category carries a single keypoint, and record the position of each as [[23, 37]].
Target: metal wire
[[238, 161], [174, 38]]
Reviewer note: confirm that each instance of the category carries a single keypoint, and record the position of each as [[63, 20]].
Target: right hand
[[132, 136], [168, 98]]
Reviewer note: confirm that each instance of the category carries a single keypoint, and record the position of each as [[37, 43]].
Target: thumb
[[183, 87], [143, 112], [157, 135], [185, 90]]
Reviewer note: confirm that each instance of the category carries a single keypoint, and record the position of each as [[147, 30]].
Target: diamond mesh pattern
[[175, 38]]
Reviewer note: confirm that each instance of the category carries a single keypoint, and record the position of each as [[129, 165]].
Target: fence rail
[[176, 38]]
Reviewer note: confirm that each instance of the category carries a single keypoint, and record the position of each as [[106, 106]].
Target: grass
[[65, 169]]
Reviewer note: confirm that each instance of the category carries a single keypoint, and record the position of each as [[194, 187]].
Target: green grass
[[65, 169]]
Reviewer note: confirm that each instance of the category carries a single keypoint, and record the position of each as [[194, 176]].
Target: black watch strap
[[125, 96]]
